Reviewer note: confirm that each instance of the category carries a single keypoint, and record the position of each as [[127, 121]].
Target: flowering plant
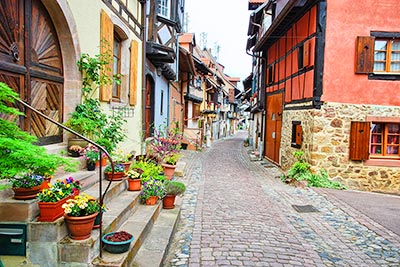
[[76, 148], [27, 181], [152, 187], [59, 190], [165, 143], [120, 156], [134, 173], [81, 205], [117, 168], [91, 154]]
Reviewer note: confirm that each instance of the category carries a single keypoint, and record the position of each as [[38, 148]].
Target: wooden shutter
[[106, 47], [359, 140], [133, 73], [364, 54]]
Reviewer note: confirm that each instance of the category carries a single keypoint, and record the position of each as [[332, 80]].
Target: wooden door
[[149, 107], [273, 127], [31, 64]]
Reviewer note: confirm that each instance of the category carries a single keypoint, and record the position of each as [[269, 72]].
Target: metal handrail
[[101, 150]]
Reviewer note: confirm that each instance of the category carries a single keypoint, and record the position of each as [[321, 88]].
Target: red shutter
[[359, 140], [299, 134], [364, 54]]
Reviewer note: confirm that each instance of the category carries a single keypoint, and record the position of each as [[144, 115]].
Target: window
[[387, 55], [385, 140], [297, 134], [164, 8], [162, 103], [116, 89]]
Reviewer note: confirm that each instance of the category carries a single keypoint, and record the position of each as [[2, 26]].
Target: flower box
[[51, 211]]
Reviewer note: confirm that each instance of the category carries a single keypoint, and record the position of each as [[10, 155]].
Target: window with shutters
[[378, 55], [375, 140]]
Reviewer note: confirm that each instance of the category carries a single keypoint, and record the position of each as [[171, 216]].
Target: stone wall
[[326, 135]]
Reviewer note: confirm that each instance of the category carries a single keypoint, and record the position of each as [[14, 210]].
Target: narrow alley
[[241, 214]]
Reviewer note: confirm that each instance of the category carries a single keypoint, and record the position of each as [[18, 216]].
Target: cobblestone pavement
[[236, 212]]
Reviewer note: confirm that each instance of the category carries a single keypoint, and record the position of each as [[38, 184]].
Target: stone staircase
[[48, 243]]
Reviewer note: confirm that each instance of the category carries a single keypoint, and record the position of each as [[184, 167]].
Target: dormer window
[[164, 8]]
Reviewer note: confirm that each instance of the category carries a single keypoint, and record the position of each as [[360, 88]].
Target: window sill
[[382, 162], [391, 76]]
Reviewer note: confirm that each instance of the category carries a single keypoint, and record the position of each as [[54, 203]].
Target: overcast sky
[[225, 22]]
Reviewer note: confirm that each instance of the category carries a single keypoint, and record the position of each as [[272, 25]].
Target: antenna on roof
[[217, 47], [203, 40]]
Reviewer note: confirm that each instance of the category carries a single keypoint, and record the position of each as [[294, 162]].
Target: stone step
[[139, 224], [153, 251]]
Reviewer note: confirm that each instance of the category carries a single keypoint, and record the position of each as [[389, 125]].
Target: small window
[[387, 55], [270, 75], [162, 103], [385, 140], [164, 8], [297, 134], [195, 111]]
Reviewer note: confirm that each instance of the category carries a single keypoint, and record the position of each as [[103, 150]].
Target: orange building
[[328, 71]]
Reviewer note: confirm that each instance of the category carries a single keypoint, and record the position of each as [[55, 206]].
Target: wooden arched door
[[149, 107], [31, 64]]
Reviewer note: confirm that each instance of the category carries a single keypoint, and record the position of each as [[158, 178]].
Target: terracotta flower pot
[[134, 184], [45, 184], [80, 228], [152, 200], [127, 165], [169, 170], [117, 176], [103, 162], [51, 211], [169, 202], [26, 193]]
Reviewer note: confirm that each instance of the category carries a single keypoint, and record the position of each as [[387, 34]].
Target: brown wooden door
[[149, 107], [273, 127], [31, 64]]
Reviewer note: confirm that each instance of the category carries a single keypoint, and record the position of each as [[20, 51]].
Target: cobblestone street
[[237, 212]]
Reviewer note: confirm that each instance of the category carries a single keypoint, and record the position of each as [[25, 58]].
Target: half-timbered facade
[[329, 84], [164, 20]]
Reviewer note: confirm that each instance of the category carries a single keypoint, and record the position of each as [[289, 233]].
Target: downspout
[[144, 38]]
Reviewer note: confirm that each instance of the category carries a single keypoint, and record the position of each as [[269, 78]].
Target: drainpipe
[[144, 38]]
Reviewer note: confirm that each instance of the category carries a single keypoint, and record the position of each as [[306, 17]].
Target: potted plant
[[120, 157], [151, 191], [169, 164], [119, 172], [51, 199], [27, 186], [134, 179], [91, 154], [172, 189], [117, 242], [75, 151], [79, 215], [149, 168], [20, 157]]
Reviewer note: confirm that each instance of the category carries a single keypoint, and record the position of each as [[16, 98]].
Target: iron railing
[[101, 151]]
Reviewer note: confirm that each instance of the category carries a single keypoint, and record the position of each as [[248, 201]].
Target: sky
[[225, 22]]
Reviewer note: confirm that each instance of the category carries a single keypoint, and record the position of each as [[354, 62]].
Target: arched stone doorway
[[32, 61]]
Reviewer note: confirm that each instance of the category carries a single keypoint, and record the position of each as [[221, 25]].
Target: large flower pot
[[51, 211], [114, 246], [117, 176], [80, 228], [134, 184], [26, 193], [152, 200], [169, 170], [169, 202]]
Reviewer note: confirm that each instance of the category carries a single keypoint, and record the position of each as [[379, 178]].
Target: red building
[[328, 71]]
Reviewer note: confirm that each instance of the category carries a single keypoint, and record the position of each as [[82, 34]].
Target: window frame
[[118, 55], [388, 59], [164, 8], [383, 144]]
